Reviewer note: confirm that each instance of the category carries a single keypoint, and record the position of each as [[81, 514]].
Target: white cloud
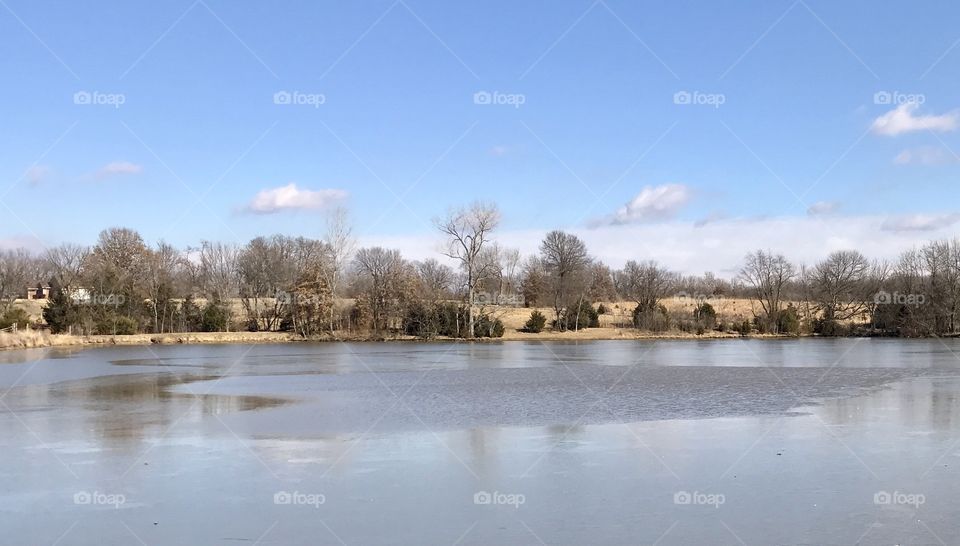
[[685, 248], [924, 155], [37, 174], [116, 168], [902, 120], [290, 197], [653, 203], [919, 222], [821, 208]]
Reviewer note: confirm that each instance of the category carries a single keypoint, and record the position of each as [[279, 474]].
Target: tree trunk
[[470, 312]]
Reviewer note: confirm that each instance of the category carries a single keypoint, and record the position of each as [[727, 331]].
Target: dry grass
[[613, 325], [30, 339], [729, 310]]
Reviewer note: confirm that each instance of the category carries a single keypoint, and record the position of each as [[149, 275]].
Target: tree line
[[122, 285]]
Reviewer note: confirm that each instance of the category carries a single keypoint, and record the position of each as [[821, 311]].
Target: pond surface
[[849, 441]]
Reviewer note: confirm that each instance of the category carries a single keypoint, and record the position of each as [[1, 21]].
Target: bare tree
[[65, 263], [340, 244], [844, 284], [468, 230], [17, 270], [267, 268], [383, 274], [767, 275], [161, 264], [565, 259], [646, 283], [218, 270], [436, 279], [118, 265]]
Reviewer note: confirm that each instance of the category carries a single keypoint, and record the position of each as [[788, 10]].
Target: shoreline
[[39, 339]]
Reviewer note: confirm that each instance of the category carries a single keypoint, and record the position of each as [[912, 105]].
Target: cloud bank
[[721, 245]]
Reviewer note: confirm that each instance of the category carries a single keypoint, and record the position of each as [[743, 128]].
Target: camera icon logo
[[682, 97], [482, 497], [882, 497], [82, 497], [482, 97], [882, 298], [82, 97], [882, 97], [282, 97], [282, 497], [682, 497]]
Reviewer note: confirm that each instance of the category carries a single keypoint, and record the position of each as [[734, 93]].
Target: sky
[[686, 132]]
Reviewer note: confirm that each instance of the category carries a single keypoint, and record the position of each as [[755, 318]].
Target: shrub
[[214, 317], [829, 327], [14, 315], [706, 316], [535, 323], [602, 309], [114, 324], [788, 321], [125, 326], [655, 319], [744, 328], [421, 321], [578, 316], [484, 326], [761, 324]]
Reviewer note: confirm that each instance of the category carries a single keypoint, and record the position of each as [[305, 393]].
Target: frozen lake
[[804, 441]]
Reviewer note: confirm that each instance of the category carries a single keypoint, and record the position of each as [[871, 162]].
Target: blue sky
[[399, 135]]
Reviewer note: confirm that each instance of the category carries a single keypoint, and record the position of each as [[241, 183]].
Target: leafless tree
[[468, 230], [340, 245], [767, 275], [646, 283], [218, 270], [267, 269], [565, 259], [436, 279], [17, 271], [843, 285], [65, 263], [162, 264], [118, 265], [383, 274]]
